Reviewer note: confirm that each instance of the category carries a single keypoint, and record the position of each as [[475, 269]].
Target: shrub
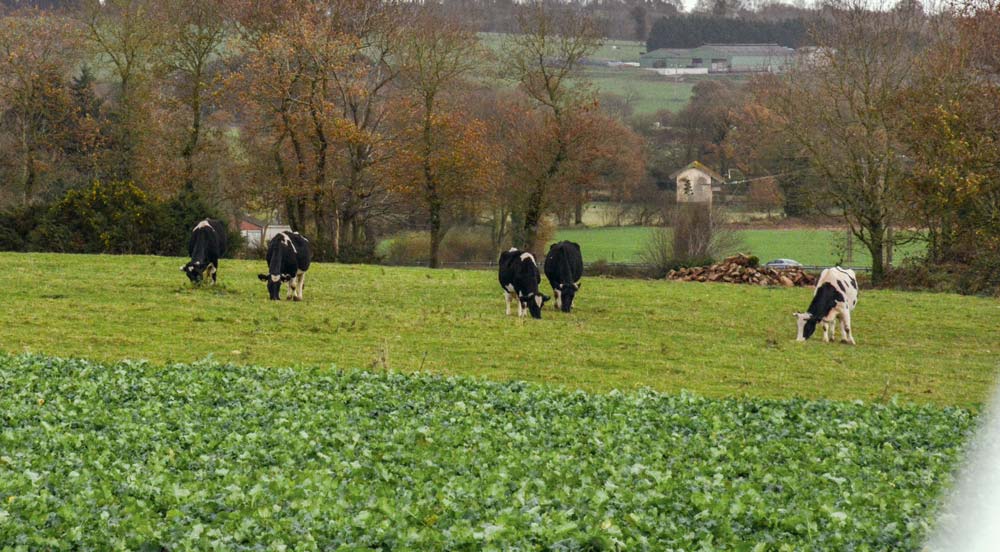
[[460, 245], [658, 254], [113, 217], [17, 225], [109, 217], [699, 234]]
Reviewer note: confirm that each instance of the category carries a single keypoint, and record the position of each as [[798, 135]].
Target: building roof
[[722, 51], [701, 167], [751, 49]]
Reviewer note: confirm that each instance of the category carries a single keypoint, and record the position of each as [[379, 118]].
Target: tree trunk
[[876, 247], [578, 211], [195, 133], [436, 237]]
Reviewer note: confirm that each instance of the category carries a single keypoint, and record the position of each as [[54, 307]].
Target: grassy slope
[[714, 339], [811, 247], [653, 92]]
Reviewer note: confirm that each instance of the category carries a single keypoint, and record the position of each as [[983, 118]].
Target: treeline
[[691, 31], [894, 120], [350, 120]]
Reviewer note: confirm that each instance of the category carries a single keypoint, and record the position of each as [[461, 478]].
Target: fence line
[[484, 265]]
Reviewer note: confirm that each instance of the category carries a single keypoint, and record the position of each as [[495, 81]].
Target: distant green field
[[651, 91], [620, 50], [810, 247], [714, 339]]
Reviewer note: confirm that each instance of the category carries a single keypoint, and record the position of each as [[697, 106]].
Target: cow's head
[[274, 284], [535, 302], [806, 325], [566, 294], [194, 271]]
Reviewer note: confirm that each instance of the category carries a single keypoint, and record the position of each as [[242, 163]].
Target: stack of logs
[[742, 269]]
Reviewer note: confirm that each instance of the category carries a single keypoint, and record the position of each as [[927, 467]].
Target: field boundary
[[486, 265]]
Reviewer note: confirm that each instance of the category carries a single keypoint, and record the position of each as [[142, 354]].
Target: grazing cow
[[519, 276], [206, 245], [563, 269], [288, 258], [835, 296]]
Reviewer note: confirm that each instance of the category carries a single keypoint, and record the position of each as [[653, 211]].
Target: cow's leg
[[210, 269], [520, 307], [825, 328], [845, 327], [831, 328], [300, 287], [507, 297], [558, 301]]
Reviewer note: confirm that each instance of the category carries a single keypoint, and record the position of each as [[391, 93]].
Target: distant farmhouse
[[719, 58], [697, 183]]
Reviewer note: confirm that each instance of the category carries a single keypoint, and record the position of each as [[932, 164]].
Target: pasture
[[137, 456], [716, 340], [626, 244]]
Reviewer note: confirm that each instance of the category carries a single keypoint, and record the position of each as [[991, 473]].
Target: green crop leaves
[[207, 456]]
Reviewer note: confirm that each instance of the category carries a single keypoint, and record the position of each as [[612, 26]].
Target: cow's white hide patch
[[510, 288], [288, 241], [538, 300], [275, 278], [203, 224], [528, 256]]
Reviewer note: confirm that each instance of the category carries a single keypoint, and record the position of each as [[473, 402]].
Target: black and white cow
[[563, 269], [835, 297], [206, 245], [288, 258], [519, 276]]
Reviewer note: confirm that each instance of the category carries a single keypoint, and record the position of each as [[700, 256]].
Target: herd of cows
[[289, 257]]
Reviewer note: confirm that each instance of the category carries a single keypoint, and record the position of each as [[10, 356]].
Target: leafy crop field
[[716, 340], [811, 247], [206, 456]]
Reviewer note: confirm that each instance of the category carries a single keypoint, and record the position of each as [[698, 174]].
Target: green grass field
[[626, 244], [714, 339], [652, 92]]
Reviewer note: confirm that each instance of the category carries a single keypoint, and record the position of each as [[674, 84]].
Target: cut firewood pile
[[744, 269]]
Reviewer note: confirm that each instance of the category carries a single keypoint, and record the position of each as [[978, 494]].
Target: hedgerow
[[209, 456]]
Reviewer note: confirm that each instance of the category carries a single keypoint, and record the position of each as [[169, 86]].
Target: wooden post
[[850, 248], [889, 242]]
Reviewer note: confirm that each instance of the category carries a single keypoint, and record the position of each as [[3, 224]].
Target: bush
[[980, 277], [659, 253], [460, 245], [699, 234], [601, 267], [113, 217], [17, 224], [109, 217]]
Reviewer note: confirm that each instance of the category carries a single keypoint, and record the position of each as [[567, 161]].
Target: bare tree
[[838, 109], [126, 35], [195, 33]]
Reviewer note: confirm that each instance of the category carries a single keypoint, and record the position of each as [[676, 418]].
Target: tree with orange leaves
[[543, 59], [444, 160], [36, 53], [287, 85]]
